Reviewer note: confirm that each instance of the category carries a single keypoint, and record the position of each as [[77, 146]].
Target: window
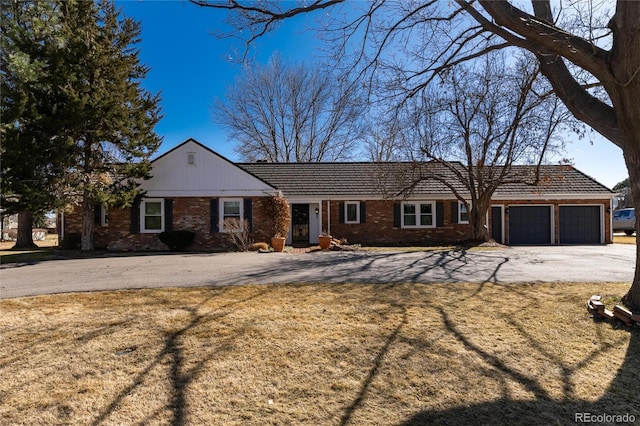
[[463, 215], [191, 158], [104, 215], [352, 212], [100, 215], [152, 215], [231, 209], [418, 214]]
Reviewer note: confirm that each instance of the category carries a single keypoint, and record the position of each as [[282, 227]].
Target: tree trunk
[[87, 224], [478, 222], [24, 239], [632, 158]]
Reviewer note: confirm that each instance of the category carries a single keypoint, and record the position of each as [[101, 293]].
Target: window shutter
[[135, 216], [397, 220], [168, 214], [97, 210], [363, 212], [248, 212], [454, 212], [439, 214], [341, 212], [213, 203]]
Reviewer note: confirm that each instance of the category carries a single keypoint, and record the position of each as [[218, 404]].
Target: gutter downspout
[[328, 216]]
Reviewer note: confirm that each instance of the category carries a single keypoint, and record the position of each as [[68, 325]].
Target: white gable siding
[[209, 175]]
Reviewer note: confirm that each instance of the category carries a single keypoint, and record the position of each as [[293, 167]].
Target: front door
[[300, 223]]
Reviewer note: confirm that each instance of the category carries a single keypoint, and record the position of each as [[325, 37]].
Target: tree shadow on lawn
[[544, 409], [172, 353], [621, 397]]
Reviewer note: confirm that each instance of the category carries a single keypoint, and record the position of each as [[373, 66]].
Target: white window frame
[[104, 215], [417, 205], [346, 209], [460, 207], [143, 225], [221, 216]]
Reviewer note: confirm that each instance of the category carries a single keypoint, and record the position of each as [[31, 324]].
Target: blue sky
[[190, 67]]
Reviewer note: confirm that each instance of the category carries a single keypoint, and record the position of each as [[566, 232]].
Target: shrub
[[71, 241], [259, 246], [177, 240], [238, 233], [277, 208]]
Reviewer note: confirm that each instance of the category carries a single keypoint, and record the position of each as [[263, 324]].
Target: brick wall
[[73, 223], [193, 213], [378, 227], [189, 213]]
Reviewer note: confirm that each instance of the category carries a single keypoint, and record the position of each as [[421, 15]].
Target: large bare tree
[[481, 120], [575, 54], [285, 112]]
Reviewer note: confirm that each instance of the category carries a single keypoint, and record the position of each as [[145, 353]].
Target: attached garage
[[580, 225], [530, 225]]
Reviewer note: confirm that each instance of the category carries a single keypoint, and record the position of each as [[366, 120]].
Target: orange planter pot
[[325, 241], [278, 243]]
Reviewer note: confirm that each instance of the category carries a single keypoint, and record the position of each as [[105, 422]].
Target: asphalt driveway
[[613, 263]]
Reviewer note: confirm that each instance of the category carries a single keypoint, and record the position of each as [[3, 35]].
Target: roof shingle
[[366, 179]]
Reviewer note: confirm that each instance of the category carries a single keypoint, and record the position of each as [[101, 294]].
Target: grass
[[624, 239], [45, 251], [316, 354]]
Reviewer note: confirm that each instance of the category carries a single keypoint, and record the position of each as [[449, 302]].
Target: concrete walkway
[[613, 263]]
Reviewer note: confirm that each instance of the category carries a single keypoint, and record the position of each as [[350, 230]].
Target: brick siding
[[193, 213], [378, 227], [189, 213]]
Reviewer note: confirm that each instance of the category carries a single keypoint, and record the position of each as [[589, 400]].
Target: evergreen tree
[[111, 117], [34, 148], [79, 124]]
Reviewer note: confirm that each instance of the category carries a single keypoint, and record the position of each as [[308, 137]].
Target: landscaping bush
[[238, 233], [279, 212], [71, 241], [177, 240], [259, 246]]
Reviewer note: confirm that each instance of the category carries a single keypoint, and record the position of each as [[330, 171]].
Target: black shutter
[[97, 210], [341, 212], [363, 212], [248, 212], [213, 203], [135, 216], [439, 214], [168, 214], [454, 212], [397, 220]]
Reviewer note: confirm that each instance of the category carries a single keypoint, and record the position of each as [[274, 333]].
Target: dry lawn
[[316, 355], [51, 240], [624, 239]]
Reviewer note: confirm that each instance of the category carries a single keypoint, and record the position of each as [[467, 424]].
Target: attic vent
[[191, 158]]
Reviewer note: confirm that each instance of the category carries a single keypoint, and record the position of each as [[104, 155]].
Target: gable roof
[[366, 179], [192, 169]]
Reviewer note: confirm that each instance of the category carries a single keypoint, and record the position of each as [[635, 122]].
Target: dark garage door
[[529, 225], [580, 225]]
